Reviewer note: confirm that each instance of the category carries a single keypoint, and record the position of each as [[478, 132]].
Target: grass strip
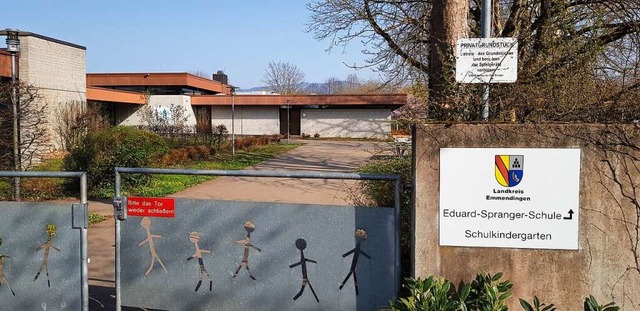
[[39, 189], [162, 185]]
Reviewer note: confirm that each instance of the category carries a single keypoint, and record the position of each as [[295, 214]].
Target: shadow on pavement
[[104, 298]]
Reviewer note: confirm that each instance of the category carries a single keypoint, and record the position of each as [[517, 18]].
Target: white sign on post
[[487, 60], [509, 198]]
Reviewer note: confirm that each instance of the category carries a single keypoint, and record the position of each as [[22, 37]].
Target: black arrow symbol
[[570, 215]]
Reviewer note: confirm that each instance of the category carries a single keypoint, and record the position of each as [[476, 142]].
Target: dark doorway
[[203, 119], [294, 120]]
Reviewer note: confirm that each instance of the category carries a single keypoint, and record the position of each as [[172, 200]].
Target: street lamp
[[288, 122], [13, 47], [13, 42], [233, 122]]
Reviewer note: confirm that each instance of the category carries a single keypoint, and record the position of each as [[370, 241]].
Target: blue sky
[[238, 36]]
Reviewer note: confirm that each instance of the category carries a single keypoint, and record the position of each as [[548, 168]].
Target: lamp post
[[288, 122], [233, 122], [13, 47]]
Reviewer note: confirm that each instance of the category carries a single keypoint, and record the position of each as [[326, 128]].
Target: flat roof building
[[54, 70], [58, 70]]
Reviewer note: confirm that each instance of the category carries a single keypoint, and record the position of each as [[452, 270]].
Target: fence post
[[397, 207], [117, 248], [84, 246]]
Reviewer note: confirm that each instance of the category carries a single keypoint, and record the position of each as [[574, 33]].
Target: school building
[[58, 70]]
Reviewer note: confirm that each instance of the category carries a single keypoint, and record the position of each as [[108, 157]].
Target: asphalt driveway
[[314, 156]]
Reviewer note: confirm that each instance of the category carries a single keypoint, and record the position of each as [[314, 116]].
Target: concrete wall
[[57, 70], [605, 265], [346, 122], [249, 120], [131, 115]]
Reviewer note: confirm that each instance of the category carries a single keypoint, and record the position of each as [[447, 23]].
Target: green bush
[[591, 304], [100, 152], [381, 193], [485, 293], [488, 293], [434, 293]]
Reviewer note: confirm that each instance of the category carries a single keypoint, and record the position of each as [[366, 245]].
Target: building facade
[[54, 72], [57, 69]]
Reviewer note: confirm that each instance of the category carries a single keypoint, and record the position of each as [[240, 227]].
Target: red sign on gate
[[151, 207]]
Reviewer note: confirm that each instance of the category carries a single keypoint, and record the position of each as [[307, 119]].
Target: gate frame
[[83, 229], [120, 212]]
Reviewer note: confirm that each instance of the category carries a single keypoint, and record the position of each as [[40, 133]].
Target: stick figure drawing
[[249, 226], [301, 244], [2, 276], [51, 230], [146, 224], [195, 237], [361, 235]]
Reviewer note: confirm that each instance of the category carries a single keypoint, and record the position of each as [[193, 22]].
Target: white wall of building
[[131, 115], [355, 123], [249, 120], [58, 71]]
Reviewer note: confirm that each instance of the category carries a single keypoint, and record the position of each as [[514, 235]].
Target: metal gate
[[43, 251], [184, 254]]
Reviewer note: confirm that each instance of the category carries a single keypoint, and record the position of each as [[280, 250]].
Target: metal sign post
[[486, 33], [233, 123], [486, 60]]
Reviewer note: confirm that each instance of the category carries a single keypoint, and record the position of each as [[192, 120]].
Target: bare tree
[[413, 40], [355, 85], [27, 147], [164, 120], [33, 135], [283, 78], [73, 120], [201, 73], [35, 141], [333, 85], [399, 33]]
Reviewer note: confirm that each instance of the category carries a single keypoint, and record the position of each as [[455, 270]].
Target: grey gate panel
[[25, 253], [327, 230], [26, 240]]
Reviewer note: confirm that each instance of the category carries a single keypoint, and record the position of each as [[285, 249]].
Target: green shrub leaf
[[525, 305]]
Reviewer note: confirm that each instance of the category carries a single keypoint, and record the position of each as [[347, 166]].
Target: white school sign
[[509, 197], [487, 60]]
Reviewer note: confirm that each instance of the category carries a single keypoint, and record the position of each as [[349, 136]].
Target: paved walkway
[[314, 156], [317, 156]]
